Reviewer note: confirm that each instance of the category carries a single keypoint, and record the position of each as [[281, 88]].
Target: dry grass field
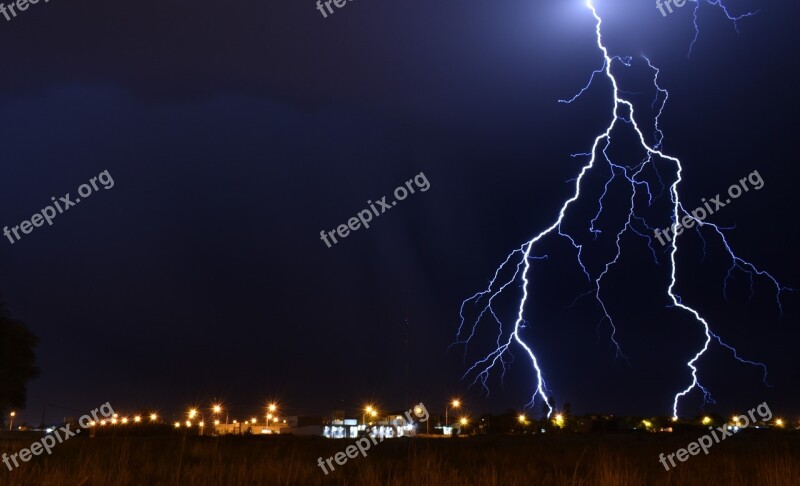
[[759, 458]]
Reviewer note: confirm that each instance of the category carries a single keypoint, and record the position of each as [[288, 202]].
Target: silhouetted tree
[[17, 361]]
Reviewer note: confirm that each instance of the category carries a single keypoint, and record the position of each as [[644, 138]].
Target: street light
[[367, 410], [271, 408], [11, 424], [455, 404], [522, 419], [193, 414], [153, 417], [463, 423], [216, 409]]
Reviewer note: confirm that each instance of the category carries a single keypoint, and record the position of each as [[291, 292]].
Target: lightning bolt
[[518, 262], [721, 6]]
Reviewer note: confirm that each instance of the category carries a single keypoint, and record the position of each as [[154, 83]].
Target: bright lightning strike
[[519, 260]]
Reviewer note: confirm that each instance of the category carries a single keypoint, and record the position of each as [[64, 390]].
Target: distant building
[[387, 427]]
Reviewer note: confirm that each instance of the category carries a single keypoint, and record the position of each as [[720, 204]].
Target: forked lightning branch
[[515, 271]]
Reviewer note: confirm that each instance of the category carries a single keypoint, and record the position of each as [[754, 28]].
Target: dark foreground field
[[758, 458]]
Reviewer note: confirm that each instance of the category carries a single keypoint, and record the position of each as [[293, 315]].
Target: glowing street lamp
[[153, 417], [522, 419], [367, 410], [11, 423], [216, 409], [706, 420], [455, 404], [193, 412], [177, 425], [137, 419], [463, 422], [271, 408], [559, 420]]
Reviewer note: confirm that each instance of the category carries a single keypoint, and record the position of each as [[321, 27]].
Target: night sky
[[235, 133]]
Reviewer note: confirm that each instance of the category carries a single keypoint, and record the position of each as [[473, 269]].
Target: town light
[[455, 403], [368, 409]]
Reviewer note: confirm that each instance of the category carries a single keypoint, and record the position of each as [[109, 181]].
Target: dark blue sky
[[235, 133]]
